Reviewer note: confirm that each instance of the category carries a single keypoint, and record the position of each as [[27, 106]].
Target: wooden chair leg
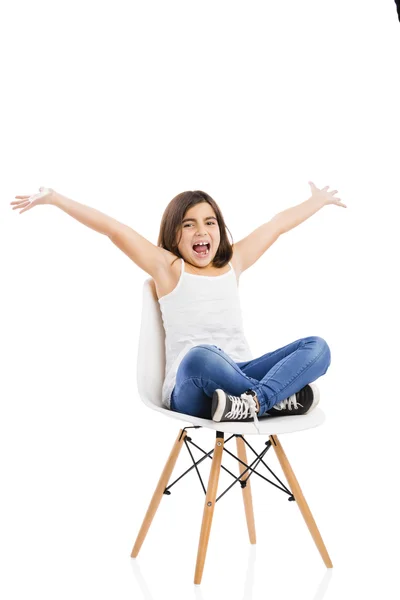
[[301, 502], [246, 491], [209, 506], [159, 491]]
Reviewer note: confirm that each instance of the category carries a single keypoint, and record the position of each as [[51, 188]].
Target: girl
[[210, 372]]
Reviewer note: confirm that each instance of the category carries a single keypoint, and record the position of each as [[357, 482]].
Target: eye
[[208, 223]]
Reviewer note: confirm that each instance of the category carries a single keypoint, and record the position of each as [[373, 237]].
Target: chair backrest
[[151, 350]]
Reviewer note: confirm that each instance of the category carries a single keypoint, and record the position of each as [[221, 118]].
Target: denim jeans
[[273, 376]]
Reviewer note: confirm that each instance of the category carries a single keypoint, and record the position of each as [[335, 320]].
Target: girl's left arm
[[291, 217], [248, 250]]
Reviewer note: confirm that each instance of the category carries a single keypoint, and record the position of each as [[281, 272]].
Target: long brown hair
[[171, 223]]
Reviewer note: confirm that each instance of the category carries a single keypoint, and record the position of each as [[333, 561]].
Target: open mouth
[[201, 249]]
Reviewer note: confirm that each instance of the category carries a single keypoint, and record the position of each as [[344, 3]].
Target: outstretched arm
[[248, 250], [291, 217], [84, 214], [146, 255]]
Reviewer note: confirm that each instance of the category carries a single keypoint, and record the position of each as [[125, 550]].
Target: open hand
[[325, 196], [44, 196]]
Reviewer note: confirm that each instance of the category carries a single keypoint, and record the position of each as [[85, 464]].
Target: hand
[[45, 196], [325, 196]]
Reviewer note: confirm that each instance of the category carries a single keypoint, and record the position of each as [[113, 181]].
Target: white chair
[[150, 376]]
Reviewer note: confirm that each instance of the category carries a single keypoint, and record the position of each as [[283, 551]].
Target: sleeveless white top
[[201, 310]]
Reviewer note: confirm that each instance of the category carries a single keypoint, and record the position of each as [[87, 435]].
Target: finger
[[21, 196], [21, 203], [18, 201], [21, 206], [325, 188]]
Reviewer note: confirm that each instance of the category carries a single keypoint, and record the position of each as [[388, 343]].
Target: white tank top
[[201, 310]]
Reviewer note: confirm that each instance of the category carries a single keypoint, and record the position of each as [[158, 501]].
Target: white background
[[121, 106]]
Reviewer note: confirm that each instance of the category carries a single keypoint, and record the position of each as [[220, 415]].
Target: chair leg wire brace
[[245, 471]]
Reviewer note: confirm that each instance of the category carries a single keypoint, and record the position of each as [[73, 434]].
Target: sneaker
[[299, 403], [225, 407]]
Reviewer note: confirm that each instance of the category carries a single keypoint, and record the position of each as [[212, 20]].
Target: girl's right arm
[[146, 255]]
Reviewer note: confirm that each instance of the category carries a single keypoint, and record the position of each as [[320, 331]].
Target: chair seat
[[267, 425]]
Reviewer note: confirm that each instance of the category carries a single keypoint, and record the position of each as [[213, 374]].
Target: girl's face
[[199, 225]]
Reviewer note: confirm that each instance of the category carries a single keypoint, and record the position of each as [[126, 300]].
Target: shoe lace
[[289, 403], [243, 407]]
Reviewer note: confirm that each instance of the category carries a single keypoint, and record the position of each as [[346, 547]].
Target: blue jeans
[[273, 376]]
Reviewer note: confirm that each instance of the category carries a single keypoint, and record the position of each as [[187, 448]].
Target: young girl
[[210, 372]]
